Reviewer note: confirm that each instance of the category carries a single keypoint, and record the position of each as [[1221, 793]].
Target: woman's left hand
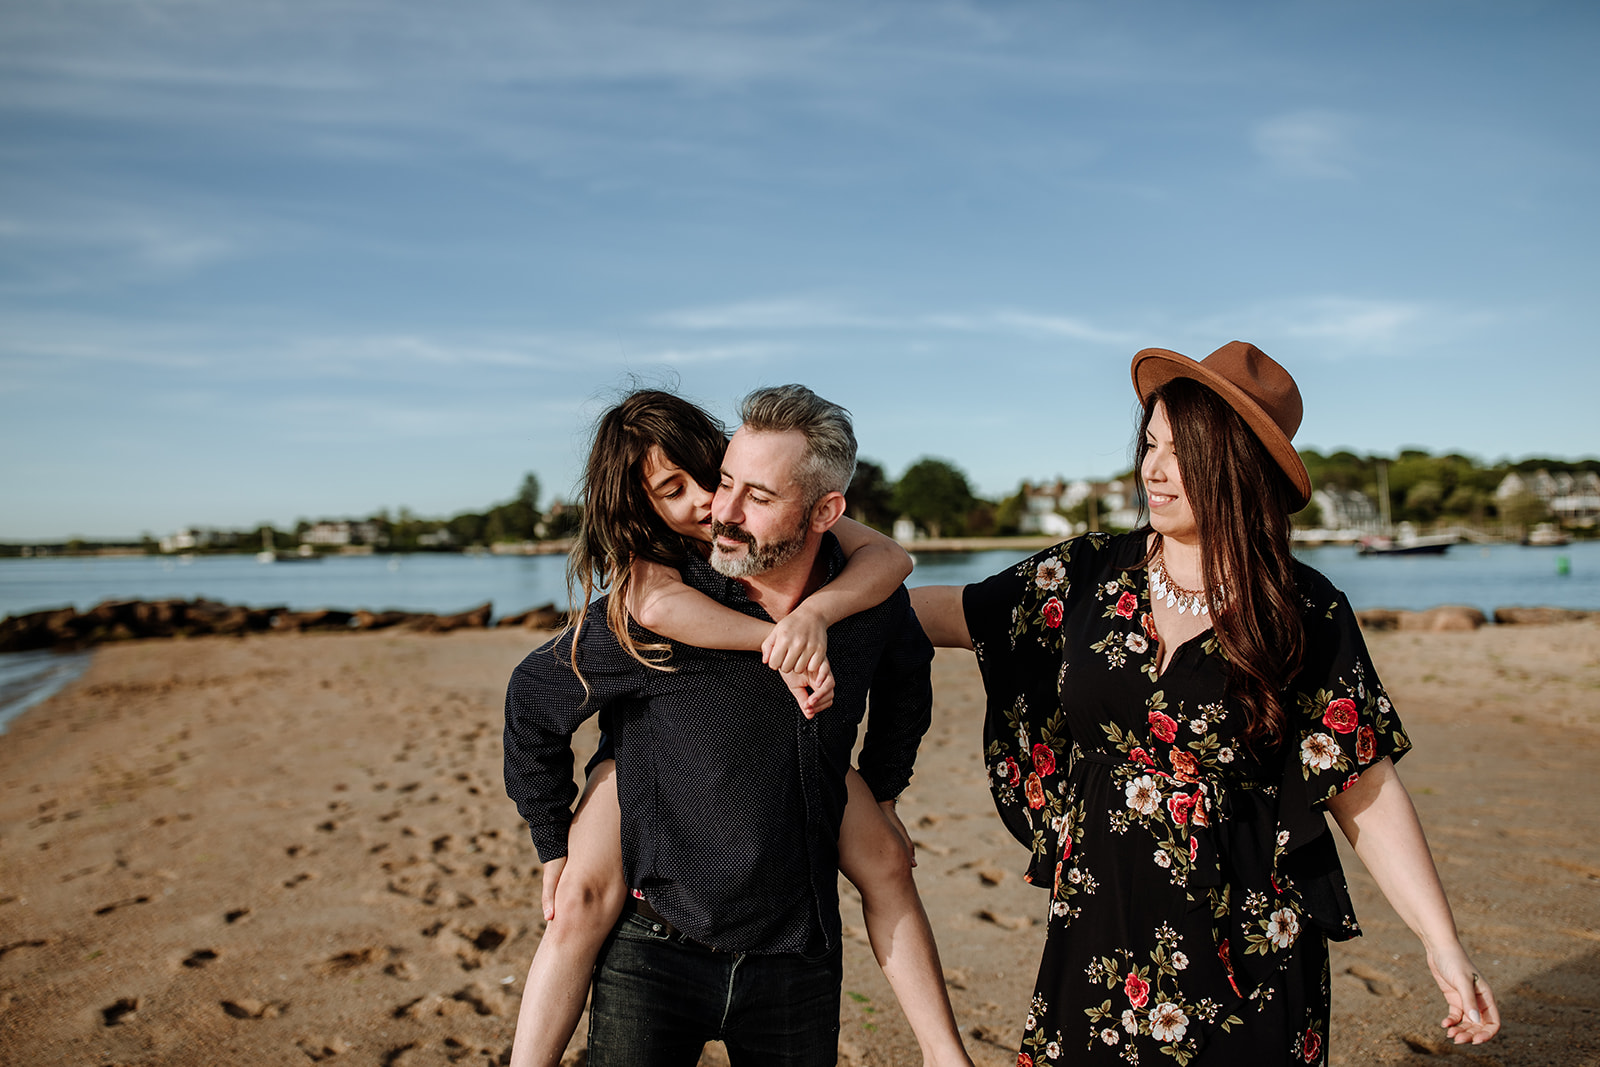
[[1473, 1015]]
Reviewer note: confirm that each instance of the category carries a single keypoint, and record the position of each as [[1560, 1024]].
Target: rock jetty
[[128, 620]]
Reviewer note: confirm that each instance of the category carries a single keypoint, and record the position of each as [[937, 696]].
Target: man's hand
[[890, 813], [547, 896]]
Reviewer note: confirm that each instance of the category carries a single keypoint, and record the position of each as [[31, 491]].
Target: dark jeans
[[659, 997]]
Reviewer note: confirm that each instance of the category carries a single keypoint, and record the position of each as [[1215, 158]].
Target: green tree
[[870, 498], [935, 495], [528, 495]]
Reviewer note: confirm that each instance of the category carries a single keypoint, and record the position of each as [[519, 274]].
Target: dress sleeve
[[1015, 619], [1341, 719]]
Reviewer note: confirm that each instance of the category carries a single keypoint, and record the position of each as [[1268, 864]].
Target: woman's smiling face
[[683, 504], [1170, 513]]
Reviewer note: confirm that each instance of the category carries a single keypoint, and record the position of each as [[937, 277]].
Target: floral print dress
[[1194, 880]]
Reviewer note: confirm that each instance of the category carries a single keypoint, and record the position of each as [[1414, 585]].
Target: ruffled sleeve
[[1340, 723], [1015, 621]]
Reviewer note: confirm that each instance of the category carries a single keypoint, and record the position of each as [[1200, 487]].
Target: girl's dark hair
[[619, 523], [1240, 499]]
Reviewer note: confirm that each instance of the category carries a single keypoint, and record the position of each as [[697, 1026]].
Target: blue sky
[[262, 260]]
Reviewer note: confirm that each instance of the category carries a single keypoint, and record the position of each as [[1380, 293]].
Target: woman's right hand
[[547, 895]]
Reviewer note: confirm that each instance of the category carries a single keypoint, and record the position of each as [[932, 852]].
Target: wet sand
[[295, 849]]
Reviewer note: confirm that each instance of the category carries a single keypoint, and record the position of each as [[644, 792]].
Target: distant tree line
[[934, 494]]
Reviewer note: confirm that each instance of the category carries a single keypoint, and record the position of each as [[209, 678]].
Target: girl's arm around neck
[[875, 566]]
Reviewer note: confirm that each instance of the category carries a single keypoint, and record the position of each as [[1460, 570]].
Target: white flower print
[[1059, 908], [1168, 1022], [1143, 795], [1110, 1036], [1053, 1050], [1180, 961], [1050, 574], [1197, 726], [1162, 859], [1283, 927], [1283, 838], [1319, 751], [1130, 1022], [1031, 1023], [1137, 643], [1225, 755], [1111, 588]]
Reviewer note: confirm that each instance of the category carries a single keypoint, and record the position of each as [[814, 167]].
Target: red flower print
[[1227, 963], [1044, 760], [1013, 773], [1194, 848], [1138, 990], [1366, 744], [1179, 804], [1125, 605], [1024, 1060], [1197, 814], [1311, 1046], [1341, 716], [1185, 767], [1139, 755], [1035, 791], [1058, 876], [1350, 781], [1148, 622], [1052, 613], [1162, 726], [1066, 848]]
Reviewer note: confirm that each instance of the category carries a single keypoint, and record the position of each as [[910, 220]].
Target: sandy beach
[[294, 849]]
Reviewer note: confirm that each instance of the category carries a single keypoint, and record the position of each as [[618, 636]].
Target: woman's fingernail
[[1474, 1016]]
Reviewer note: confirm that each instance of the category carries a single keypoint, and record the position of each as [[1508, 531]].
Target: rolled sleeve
[[901, 703], [545, 703]]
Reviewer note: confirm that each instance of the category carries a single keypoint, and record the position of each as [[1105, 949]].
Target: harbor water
[[1481, 576]]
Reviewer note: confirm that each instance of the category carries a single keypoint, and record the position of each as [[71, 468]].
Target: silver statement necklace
[[1162, 587]]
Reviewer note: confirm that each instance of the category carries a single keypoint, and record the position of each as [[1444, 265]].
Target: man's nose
[[724, 506]]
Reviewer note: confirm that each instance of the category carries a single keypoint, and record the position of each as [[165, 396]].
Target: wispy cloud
[[1308, 144]]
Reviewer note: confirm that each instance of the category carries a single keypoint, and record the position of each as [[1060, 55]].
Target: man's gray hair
[[830, 459]]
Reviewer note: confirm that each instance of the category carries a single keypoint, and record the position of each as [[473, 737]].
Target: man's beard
[[758, 559]]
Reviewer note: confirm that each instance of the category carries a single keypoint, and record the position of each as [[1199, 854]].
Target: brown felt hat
[[1253, 385]]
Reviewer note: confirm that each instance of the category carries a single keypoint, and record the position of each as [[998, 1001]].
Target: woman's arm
[[939, 609], [1377, 816], [874, 569]]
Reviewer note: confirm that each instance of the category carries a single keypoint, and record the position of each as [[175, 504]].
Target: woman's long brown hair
[[619, 523], [1240, 500]]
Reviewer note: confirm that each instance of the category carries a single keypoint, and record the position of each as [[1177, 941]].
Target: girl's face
[[1170, 512], [680, 500]]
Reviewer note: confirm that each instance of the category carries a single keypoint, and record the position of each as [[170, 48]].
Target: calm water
[[1485, 577]]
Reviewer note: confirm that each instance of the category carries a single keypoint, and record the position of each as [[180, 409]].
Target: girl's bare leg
[[588, 897], [877, 860]]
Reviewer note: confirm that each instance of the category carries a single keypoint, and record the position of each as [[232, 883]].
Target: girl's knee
[[885, 867], [590, 899]]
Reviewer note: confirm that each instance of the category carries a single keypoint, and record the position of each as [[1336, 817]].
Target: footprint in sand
[[254, 1009], [115, 1013], [199, 958], [318, 1049], [107, 909], [14, 945], [349, 961], [1378, 983], [303, 876], [1005, 922], [235, 915]]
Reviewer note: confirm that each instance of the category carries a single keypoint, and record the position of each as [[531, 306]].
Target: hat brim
[[1155, 367]]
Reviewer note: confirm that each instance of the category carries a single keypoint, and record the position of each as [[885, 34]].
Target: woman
[[647, 491], [1169, 711]]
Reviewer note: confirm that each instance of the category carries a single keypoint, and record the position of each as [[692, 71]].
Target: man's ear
[[826, 512]]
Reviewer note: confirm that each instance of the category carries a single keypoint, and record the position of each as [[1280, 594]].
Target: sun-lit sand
[[286, 849]]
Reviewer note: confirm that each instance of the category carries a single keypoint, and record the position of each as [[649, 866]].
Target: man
[[731, 800]]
